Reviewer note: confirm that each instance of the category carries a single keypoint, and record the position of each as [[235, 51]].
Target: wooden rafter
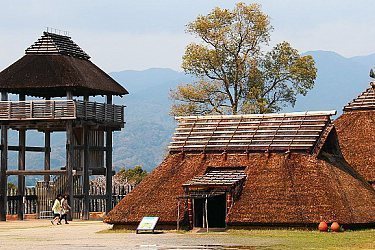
[[289, 131]]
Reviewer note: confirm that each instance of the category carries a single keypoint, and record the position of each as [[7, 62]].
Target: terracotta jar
[[335, 227], [323, 227]]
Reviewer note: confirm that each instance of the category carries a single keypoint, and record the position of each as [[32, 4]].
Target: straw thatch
[[281, 188], [356, 131], [299, 189], [53, 65]]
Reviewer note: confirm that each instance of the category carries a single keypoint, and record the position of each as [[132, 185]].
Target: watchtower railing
[[37, 110], [100, 111], [60, 110]]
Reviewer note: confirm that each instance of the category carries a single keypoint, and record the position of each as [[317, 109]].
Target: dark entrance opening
[[216, 210], [198, 212]]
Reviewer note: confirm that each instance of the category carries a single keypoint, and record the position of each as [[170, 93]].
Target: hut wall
[[356, 132]]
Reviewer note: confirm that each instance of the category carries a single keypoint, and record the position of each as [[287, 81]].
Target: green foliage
[[133, 175], [235, 73], [11, 185]]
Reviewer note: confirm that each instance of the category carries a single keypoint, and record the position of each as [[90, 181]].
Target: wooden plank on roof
[[246, 122], [270, 131], [365, 101], [294, 114]]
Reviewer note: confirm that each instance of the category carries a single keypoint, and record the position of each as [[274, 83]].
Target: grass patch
[[298, 239], [279, 238]]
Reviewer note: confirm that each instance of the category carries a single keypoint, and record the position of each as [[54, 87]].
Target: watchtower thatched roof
[[295, 173], [53, 65], [356, 131]]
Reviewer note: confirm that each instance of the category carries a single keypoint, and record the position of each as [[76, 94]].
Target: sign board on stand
[[147, 224]]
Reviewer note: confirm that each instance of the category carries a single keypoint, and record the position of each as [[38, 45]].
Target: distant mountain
[[149, 126], [339, 80]]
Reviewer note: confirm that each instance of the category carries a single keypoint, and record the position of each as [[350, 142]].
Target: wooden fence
[[39, 199], [118, 193], [29, 200]]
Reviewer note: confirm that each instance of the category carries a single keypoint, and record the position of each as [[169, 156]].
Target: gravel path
[[40, 234]]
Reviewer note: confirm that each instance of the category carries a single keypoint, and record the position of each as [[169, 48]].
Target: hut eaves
[[218, 177]]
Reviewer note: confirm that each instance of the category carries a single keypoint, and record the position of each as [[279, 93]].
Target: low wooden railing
[[60, 110], [37, 110], [100, 112]]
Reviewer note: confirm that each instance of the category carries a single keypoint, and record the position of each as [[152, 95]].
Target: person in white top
[[65, 208], [56, 209]]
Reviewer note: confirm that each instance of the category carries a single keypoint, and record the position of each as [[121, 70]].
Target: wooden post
[[85, 167], [206, 212], [190, 213], [47, 153], [178, 214], [4, 166], [21, 166], [108, 165], [229, 201], [86, 180], [69, 158]]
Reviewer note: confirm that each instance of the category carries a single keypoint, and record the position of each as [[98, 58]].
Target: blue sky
[[141, 34]]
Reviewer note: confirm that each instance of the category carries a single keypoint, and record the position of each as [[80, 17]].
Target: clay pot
[[335, 227], [323, 227]]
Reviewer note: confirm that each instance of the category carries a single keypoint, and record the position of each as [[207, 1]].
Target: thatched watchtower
[[251, 170], [60, 74]]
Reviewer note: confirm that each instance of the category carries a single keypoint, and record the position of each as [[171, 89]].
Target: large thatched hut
[[356, 131], [251, 170]]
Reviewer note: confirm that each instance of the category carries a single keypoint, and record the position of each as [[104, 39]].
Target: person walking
[[56, 209], [65, 209]]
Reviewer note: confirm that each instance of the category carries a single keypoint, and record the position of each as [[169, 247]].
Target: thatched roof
[[365, 101], [53, 65], [287, 188], [298, 131], [356, 131]]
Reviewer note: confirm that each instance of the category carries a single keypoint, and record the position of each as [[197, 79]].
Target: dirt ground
[[40, 234]]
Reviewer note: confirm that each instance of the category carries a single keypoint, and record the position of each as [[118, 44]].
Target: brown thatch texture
[[52, 75], [294, 189], [356, 131]]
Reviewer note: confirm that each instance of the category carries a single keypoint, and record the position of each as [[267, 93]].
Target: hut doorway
[[216, 212], [210, 196]]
